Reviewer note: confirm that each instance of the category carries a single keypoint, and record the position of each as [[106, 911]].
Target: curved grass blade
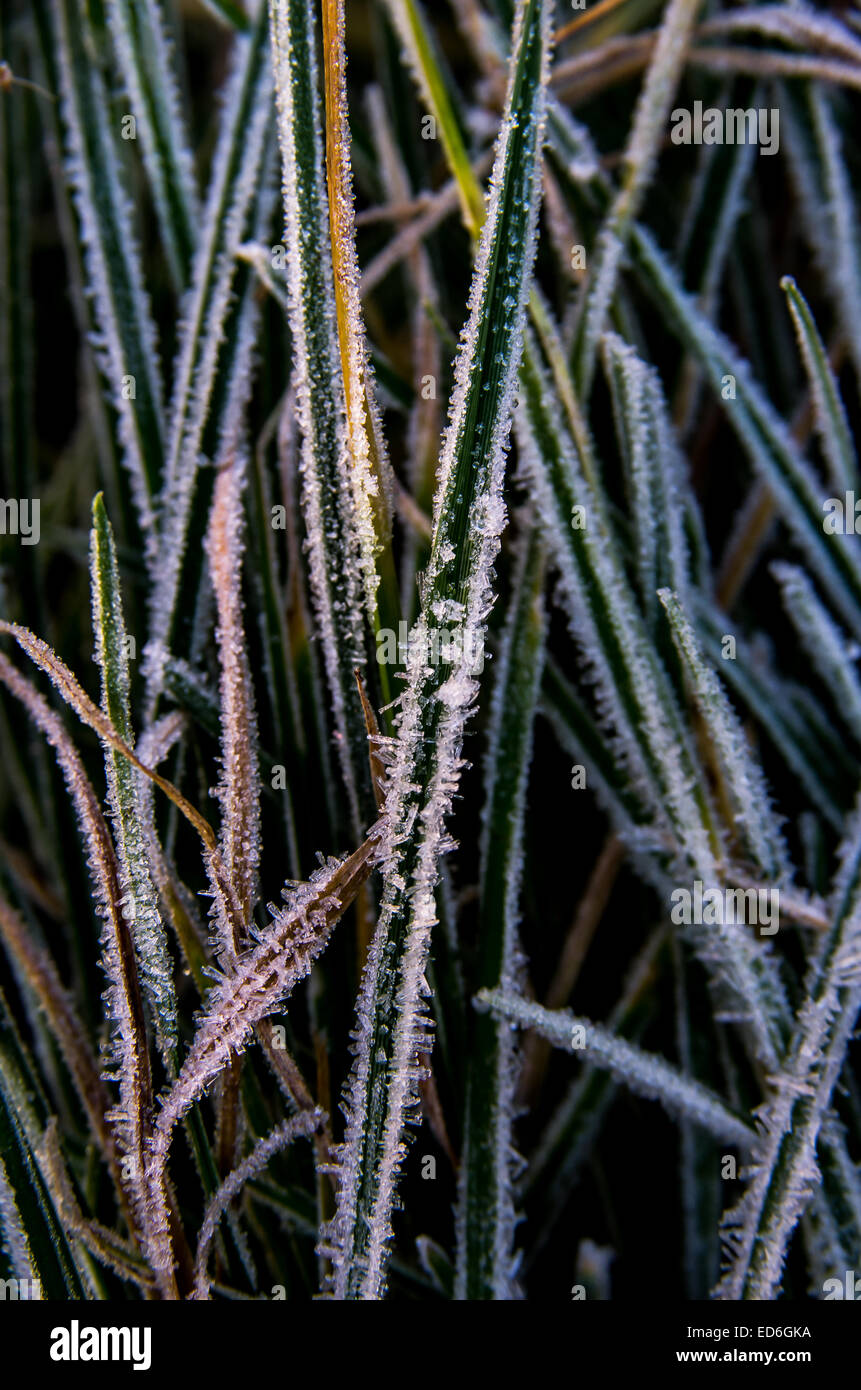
[[414, 33], [764, 436], [637, 699], [123, 1002], [645, 1073], [468, 519], [303, 1124], [262, 979], [782, 722]]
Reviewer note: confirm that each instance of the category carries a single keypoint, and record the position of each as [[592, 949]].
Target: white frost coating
[[127, 1048], [13, 1237], [822, 640], [305, 1123], [795, 22], [421, 812], [521, 643], [644, 144], [324, 459], [107, 342], [656, 467], [201, 333], [647, 1075], [140, 899], [675, 758], [261, 978], [749, 793], [737, 961], [845, 272], [832, 426], [786, 1173], [148, 68], [369, 465], [763, 434], [238, 791]]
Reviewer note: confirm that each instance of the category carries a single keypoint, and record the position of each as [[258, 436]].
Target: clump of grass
[[452, 480]]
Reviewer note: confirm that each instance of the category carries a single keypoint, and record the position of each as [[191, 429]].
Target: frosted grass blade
[[485, 1214], [140, 896], [647, 133], [334, 541], [654, 472], [831, 423], [239, 788], [785, 1173], [468, 518], [147, 64], [764, 436], [752, 814], [824, 643], [645, 1073], [369, 469], [235, 183], [125, 338]]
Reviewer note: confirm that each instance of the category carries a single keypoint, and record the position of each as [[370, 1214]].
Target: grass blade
[[643, 1072], [468, 519], [140, 898], [485, 1220], [125, 336], [147, 65]]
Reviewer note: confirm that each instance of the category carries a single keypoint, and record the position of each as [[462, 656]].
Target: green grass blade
[[335, 544], [749, 799], [831, 423], [140, 896], [765, 438], [125, 335], [468, 519], [31, 1229], [485, 1219], [786, 1172], [147, 66], [203, 355]]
